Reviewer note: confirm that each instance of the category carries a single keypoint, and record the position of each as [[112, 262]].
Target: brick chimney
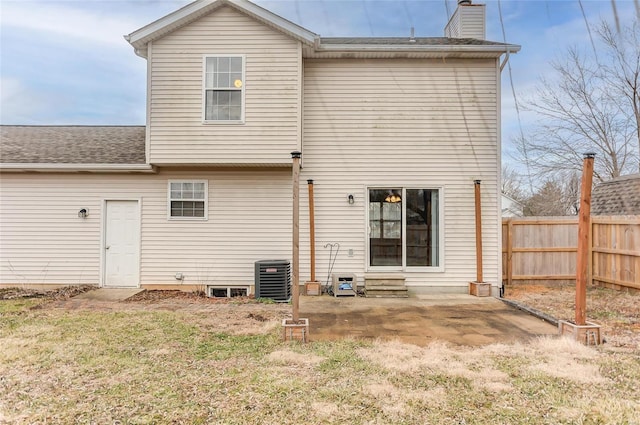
[[468, 21]]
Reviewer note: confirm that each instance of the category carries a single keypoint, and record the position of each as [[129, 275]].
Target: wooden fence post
[[510, 251], [312, 232], [584, 221], [479, 277], [590, 258], [295, 293]]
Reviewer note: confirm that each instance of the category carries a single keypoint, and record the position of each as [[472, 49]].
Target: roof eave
[[141, 37], [348, 48], [76, 168]]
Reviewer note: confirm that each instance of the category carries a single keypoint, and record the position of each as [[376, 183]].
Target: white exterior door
[[122, 244]]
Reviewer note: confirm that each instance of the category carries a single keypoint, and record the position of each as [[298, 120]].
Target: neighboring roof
[[72, 144], [510, 207], [619, 196], [321, 47]]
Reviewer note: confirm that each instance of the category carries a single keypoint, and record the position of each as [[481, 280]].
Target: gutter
[[415, 48], [77, 168], [505, 60], [433, 51]]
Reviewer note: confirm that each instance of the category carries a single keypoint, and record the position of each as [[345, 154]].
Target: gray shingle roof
[[406, 41], [619, 196], [72, 144]]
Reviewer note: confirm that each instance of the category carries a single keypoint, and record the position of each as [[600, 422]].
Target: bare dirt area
[[618, 312], [236, 316], [54, 294], [152, 296]]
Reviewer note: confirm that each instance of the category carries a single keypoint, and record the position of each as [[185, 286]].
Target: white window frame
[[206, 200], [205, 88], [441, 226], [228, 289]]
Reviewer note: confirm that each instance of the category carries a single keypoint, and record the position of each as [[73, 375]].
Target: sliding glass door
[[404, 228]]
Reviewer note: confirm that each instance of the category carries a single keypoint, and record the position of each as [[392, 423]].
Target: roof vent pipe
[[412, 38]]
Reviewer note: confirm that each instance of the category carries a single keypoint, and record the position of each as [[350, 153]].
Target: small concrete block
[[480, 289], [298, 331], [313, 288], [587, 334]]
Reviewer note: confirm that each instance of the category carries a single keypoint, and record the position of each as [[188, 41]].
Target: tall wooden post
[[295, 293], [312, 232], [479, 277], [584, 218]]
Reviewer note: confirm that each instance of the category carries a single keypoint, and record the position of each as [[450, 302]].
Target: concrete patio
[[457, 319]]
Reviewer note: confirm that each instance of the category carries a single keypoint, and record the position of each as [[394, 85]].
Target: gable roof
[[619, 196], [23, 147], [315, 46], [193, 11]]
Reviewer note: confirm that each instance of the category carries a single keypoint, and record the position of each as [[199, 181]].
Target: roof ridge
[[621, 178]]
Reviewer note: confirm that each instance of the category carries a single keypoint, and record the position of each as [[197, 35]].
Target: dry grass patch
[[439, 358], [616, 311], [154, 366]]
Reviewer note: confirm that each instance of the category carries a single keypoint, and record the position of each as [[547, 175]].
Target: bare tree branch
[[589, 105]]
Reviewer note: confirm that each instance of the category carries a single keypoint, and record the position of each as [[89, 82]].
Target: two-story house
[[393, 132]]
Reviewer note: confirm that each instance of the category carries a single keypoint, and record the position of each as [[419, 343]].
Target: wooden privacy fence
[[543, 250]]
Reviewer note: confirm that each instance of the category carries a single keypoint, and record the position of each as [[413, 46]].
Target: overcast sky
[[66, 62]]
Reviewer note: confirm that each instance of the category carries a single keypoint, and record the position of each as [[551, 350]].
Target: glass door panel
[[422, 227], [385, 227]]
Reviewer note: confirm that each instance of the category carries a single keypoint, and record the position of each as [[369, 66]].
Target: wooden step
[[386, 292], [385, 285], [383, 279], [388, 296], [385, 288]]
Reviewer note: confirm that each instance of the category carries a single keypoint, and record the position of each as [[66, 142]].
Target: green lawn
[[140, 367]]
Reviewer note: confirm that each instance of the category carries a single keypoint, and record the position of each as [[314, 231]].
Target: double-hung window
[[405, 228], [223, 88], [188, 199]]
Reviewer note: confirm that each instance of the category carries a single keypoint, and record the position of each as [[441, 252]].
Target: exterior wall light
[[350, 199], [83, 213]]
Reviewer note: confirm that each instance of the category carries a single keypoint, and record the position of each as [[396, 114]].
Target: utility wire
[[586, 23], [517, 104], [366, 12], [406, 10]]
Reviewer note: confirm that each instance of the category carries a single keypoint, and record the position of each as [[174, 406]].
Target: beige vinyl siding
[[402, 123], [473, 22], [467, 22], [271, 129], [44, 242], [453, 27]]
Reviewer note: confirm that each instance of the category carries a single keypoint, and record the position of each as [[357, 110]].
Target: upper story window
[[223, 88], [188, 199]]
